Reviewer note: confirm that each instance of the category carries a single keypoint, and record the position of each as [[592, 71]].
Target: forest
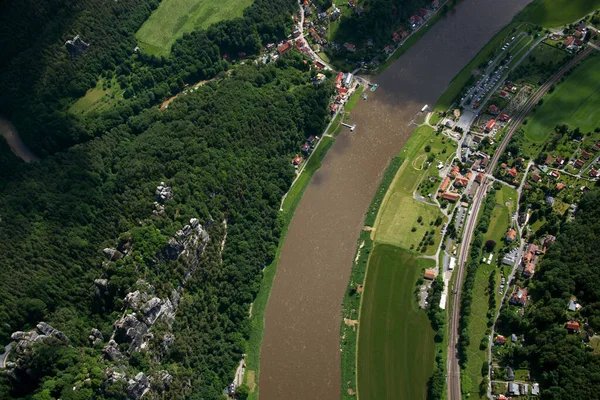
[[39, 80], [224, 151], [567, 365]]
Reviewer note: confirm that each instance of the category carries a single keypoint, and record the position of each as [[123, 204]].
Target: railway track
[[453, 368]]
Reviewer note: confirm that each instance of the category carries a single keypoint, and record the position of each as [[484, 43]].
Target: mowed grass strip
[[574, 102], [173, 18], [395, 343], [400, 211], [553, 13]]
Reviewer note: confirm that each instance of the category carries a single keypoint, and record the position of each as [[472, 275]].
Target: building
[[554, 174], [490, 125], [479, 177], [435, 4], [500, 340], [569, 41], [493, 109], [350, 47], [574, 305], [348, 80], [573, 326], [445, 184], [529, 270], [452, 264], [519, 297], [536, 177], [513, 388], [585, 155], [297, 161], [511, 235], [284, 47], [514, 338], [455, 171], [535, 389], [461, 182], [510, 374], [305, 147], [593, 173], [504, 117], [76, 46], [579, 164], [560, 186], [453, 197], [429, 274], [513, 172]]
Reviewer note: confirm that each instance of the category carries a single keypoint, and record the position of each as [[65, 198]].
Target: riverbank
[[20, 149], [300, 351]]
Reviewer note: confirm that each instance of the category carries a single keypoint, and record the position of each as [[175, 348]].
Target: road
[[311, 52], [453, 375]]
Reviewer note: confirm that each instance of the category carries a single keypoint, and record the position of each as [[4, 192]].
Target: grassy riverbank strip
[[260, 303], [386, 181]]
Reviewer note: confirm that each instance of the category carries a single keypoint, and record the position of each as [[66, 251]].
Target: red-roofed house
[[500, 340], [297, 161], [319, 65], [493, 109], [396, 37], [350, 47], [435, 3], [555, 174], [338, 78], [513, 172], [569, 41], [519, 297], [429, 274], [306, 147], [585, 155], [594, 173], [529, 270], [455, 171], [451, 196], [503, 94], [536, 177], [479, 177], [445, 184], [461, 182], [549, 159], [511, 235], [490, 125], [284, 47], [573, 326], [579, 164], [403, 34], [504, 117], [560, 186], [503, 165], [423, 13]]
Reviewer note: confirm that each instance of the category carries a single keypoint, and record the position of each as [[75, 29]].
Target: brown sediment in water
[[300, 356], [9, 132]]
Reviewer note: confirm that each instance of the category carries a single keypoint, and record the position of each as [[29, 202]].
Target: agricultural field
[[395, 344], [104, 95], [554, 13], [173, 18], [403, 220], [574, 102], [478, 326]]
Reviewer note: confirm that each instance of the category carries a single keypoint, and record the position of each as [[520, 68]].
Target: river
[[9, 132], [300, 356]]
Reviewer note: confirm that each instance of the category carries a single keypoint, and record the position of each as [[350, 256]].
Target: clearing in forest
[[395, 344], [173, 18], [574, 102]]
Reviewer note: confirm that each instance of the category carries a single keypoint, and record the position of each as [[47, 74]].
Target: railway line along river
[[300, 356]]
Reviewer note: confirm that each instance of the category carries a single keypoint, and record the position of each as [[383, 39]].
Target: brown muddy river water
[[300, 352], [9, 132]]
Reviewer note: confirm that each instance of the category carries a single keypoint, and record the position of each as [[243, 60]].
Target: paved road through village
[[300, 352]]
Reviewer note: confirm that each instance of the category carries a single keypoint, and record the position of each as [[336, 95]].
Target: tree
[[489, 245], [242, 392]]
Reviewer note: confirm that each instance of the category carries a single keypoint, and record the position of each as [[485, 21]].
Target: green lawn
[[400, 211], [173, 18], [260, 303], [553, 13], [575, 102], [395, 343], [98, 98]]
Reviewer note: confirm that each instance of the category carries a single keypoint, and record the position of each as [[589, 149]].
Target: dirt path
[[300, 353], [9, 132]]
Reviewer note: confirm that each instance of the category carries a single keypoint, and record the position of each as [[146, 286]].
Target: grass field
[[499, 223], [400, 211], [173, 18], [575, 102], [553, 13], [395, 343], [99, 98], [260, 303]]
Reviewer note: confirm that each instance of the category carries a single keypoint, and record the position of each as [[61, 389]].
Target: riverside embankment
[[300, 352]]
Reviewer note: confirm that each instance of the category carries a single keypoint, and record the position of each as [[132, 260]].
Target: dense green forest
[[39, 79], [87, 232], [566, 365]]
